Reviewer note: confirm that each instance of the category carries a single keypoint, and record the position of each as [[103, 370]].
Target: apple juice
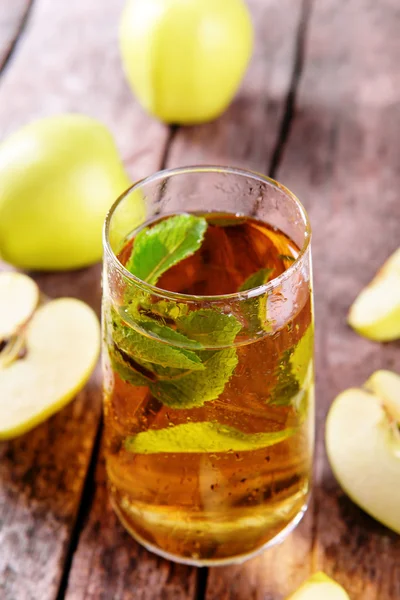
[[209, 395]]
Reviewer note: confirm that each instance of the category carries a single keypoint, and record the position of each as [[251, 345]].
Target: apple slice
[[320, 587], [376, 311], [62, 346], [19, 297], [363, 446]]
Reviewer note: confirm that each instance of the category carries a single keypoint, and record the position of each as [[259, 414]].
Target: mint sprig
[[149, 350], [162, 344], [156, 249]]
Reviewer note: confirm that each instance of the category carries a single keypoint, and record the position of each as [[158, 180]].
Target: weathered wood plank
[[74, 46], [246, 135], [110, 564], [342, 160], [255, 116], [12, 17], [41, 479], [42, 474]]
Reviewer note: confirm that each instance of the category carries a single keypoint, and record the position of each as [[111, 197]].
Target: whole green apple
[[58, 178], [185, 60]]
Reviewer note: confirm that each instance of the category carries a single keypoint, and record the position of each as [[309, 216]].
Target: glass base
[[234, 560]]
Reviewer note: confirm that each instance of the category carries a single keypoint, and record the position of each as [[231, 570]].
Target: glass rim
[[176, 296]]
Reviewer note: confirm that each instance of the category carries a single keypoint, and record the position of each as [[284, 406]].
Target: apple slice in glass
[[363, 446], [376, 311], [319, 587], [62, 343]]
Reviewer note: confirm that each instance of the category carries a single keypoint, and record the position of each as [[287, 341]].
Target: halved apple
[[363, 446], [62, 343], [319, 587], [376, 311]]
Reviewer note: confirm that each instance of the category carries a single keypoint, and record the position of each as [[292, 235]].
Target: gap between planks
[[5, 59], [290, 102]]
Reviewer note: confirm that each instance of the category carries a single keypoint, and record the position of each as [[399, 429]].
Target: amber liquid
[[215, 507]]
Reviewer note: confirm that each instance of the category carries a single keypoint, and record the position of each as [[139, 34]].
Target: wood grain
[[341, 158], [110, 564], [41, 480], [68, 61], [42, 474], [12, 20], [348, 176], [247, 133], [259, 107]]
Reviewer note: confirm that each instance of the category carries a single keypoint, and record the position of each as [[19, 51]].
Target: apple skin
[[364, 452], [58, 178], [375, 313], [185, 60], [319, 587]]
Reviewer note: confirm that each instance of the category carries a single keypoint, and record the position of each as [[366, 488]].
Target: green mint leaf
[[294, 373], [202, 437], [209, 327], [156, 249], [258, 278], [197, 387], [142, 348]]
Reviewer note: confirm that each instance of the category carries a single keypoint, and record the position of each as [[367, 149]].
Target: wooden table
[[320, 110]]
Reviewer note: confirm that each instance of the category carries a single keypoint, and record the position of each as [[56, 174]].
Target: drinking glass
[[209, 434]]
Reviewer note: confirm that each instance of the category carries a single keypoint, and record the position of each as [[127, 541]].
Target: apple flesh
[[320, 587], [185, 60], [19, 297], [363, 446], [386, 385], [58, 178], [376, 311], [62, 343]]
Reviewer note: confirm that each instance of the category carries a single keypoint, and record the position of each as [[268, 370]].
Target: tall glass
[[209, 460]]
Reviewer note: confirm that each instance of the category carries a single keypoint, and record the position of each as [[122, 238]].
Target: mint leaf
[[142, 348], [195, 388], [209, 327], [202, 437], [258, 278], [294, 373], [156, 249]]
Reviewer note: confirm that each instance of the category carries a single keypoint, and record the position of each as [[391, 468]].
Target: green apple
[[319, 587], [62, 343], [58, 178], [363, 446], [185, 60], [376, 311]]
